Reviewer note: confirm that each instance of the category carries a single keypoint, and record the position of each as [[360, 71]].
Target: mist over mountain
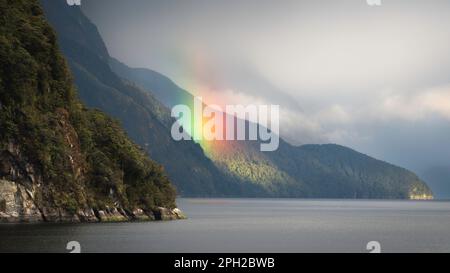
[[141, 99], [309, 170]]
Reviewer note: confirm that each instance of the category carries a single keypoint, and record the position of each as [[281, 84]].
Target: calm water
[[255, 225]]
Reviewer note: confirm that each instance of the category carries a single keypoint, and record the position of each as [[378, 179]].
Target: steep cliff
[[60, 161]]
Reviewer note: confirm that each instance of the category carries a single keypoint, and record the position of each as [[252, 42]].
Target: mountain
[[320, 171], [141, 100], [438, 178], [162, 87], [61, 161], [144, 118]]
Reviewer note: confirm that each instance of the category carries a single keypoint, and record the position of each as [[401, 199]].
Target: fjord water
[[254, 225]]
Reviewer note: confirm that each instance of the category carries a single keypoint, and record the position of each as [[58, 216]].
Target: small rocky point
[[17, 206]]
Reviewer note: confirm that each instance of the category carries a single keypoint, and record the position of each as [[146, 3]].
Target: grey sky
[[376, 79]]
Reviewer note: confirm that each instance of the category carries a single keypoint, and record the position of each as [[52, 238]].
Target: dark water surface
[[254, 225]]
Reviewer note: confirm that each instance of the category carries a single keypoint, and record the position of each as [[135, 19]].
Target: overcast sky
[[376, 79]]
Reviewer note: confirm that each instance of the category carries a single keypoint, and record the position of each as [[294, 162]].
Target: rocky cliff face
[[19, 183], [17, 205], [17, 200], [59, 161], [22, 187]]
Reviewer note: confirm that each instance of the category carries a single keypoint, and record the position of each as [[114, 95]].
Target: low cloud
[[418, 106]]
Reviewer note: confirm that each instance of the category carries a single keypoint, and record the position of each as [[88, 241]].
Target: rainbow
[[195, 66]]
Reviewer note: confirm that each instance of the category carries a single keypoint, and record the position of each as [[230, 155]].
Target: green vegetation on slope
[[319, 171], [82, 157]]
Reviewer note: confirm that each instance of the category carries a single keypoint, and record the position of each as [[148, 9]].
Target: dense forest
[[68, 158]]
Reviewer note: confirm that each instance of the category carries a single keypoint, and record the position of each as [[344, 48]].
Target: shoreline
[[18, 205], [96, 217]]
